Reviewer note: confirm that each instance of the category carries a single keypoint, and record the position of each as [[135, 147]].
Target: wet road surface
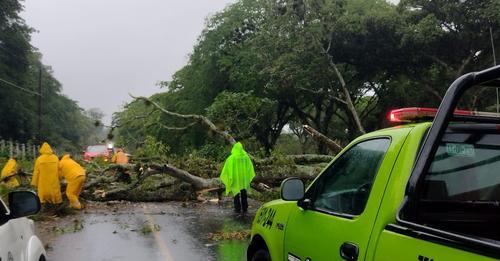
[[150, 231]]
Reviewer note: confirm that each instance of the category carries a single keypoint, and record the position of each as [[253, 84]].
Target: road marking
[[159, 240]]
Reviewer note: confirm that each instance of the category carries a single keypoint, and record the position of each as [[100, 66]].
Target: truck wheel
[[261, 255]]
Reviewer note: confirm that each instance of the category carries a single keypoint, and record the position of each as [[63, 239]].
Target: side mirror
[[23, 203], [292, 189]]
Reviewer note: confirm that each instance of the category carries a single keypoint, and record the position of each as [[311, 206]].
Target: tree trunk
[[347, 96]]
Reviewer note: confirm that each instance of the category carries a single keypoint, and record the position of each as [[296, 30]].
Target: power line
[[19, 87]]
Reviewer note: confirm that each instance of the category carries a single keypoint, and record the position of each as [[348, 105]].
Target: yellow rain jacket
[[8, 173], [120, 157], [238, 171], [45, 176], [75, 177], [70, 169]]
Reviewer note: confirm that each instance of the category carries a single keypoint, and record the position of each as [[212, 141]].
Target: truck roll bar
[[408, 210], [489, 78]]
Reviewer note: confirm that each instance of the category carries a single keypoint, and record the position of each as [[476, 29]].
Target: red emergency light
[[414, 114]]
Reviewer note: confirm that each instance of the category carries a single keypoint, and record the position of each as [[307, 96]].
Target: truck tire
[[261, 255]]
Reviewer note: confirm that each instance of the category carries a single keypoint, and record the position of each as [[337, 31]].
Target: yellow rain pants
[[75, 177]]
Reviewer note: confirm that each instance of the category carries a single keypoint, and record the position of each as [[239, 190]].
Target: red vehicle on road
[[97, 151]]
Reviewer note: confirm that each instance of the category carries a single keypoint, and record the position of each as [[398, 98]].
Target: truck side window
[[345, 186]]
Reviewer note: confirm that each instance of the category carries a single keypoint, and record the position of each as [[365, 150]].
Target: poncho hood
[[238, 171], [238, 149], [46, 149]]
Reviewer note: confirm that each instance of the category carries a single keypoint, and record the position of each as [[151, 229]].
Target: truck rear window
[[462, 187], [466, 168]]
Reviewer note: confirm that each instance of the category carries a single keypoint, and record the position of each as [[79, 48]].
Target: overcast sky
[[101, 50]]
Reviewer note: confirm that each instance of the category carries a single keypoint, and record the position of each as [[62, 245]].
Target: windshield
[[97, 149]]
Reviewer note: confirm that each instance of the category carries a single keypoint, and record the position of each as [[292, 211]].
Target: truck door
[[340, 208]]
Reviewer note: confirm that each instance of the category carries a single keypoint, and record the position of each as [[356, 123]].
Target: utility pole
[[40, 105]]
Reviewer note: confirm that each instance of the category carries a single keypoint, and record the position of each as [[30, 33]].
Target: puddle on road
[[178, 233]]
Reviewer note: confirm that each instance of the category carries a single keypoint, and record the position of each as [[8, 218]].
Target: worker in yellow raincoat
[[237, 175], [120, 157], [45, 176], [8, 173], [75, 177]]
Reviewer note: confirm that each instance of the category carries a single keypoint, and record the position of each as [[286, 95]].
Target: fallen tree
[[160, 182], [153, 181]]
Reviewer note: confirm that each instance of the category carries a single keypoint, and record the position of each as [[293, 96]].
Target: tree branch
[[171, 128], [339, 100], [464, 64], [200, 118], [319, 137], [333, 65], [433, 92], [347, 95], [136, 117], [441, 62]]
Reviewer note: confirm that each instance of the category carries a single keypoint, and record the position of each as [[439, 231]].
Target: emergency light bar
[[414, 114]]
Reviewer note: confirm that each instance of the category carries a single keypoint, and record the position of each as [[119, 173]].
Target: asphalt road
[[148, 231]]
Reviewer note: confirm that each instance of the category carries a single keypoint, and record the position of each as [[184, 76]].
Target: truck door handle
[[349, 251]]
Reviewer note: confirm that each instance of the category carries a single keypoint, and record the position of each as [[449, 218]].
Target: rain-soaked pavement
[[148, 231]]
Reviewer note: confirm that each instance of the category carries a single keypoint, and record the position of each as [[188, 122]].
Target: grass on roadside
[[229, 235]]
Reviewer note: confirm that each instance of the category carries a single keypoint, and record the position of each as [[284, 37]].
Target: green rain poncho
[[238, 170]]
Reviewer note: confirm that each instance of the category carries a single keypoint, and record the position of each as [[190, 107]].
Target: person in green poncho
[[236, 175]]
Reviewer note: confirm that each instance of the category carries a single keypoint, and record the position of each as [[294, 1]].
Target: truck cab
[[421, 191]]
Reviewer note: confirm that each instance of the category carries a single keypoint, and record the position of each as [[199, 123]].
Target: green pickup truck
[[422, 191]]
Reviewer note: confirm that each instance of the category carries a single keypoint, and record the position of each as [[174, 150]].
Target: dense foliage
[[263, 67], [64, 123]]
